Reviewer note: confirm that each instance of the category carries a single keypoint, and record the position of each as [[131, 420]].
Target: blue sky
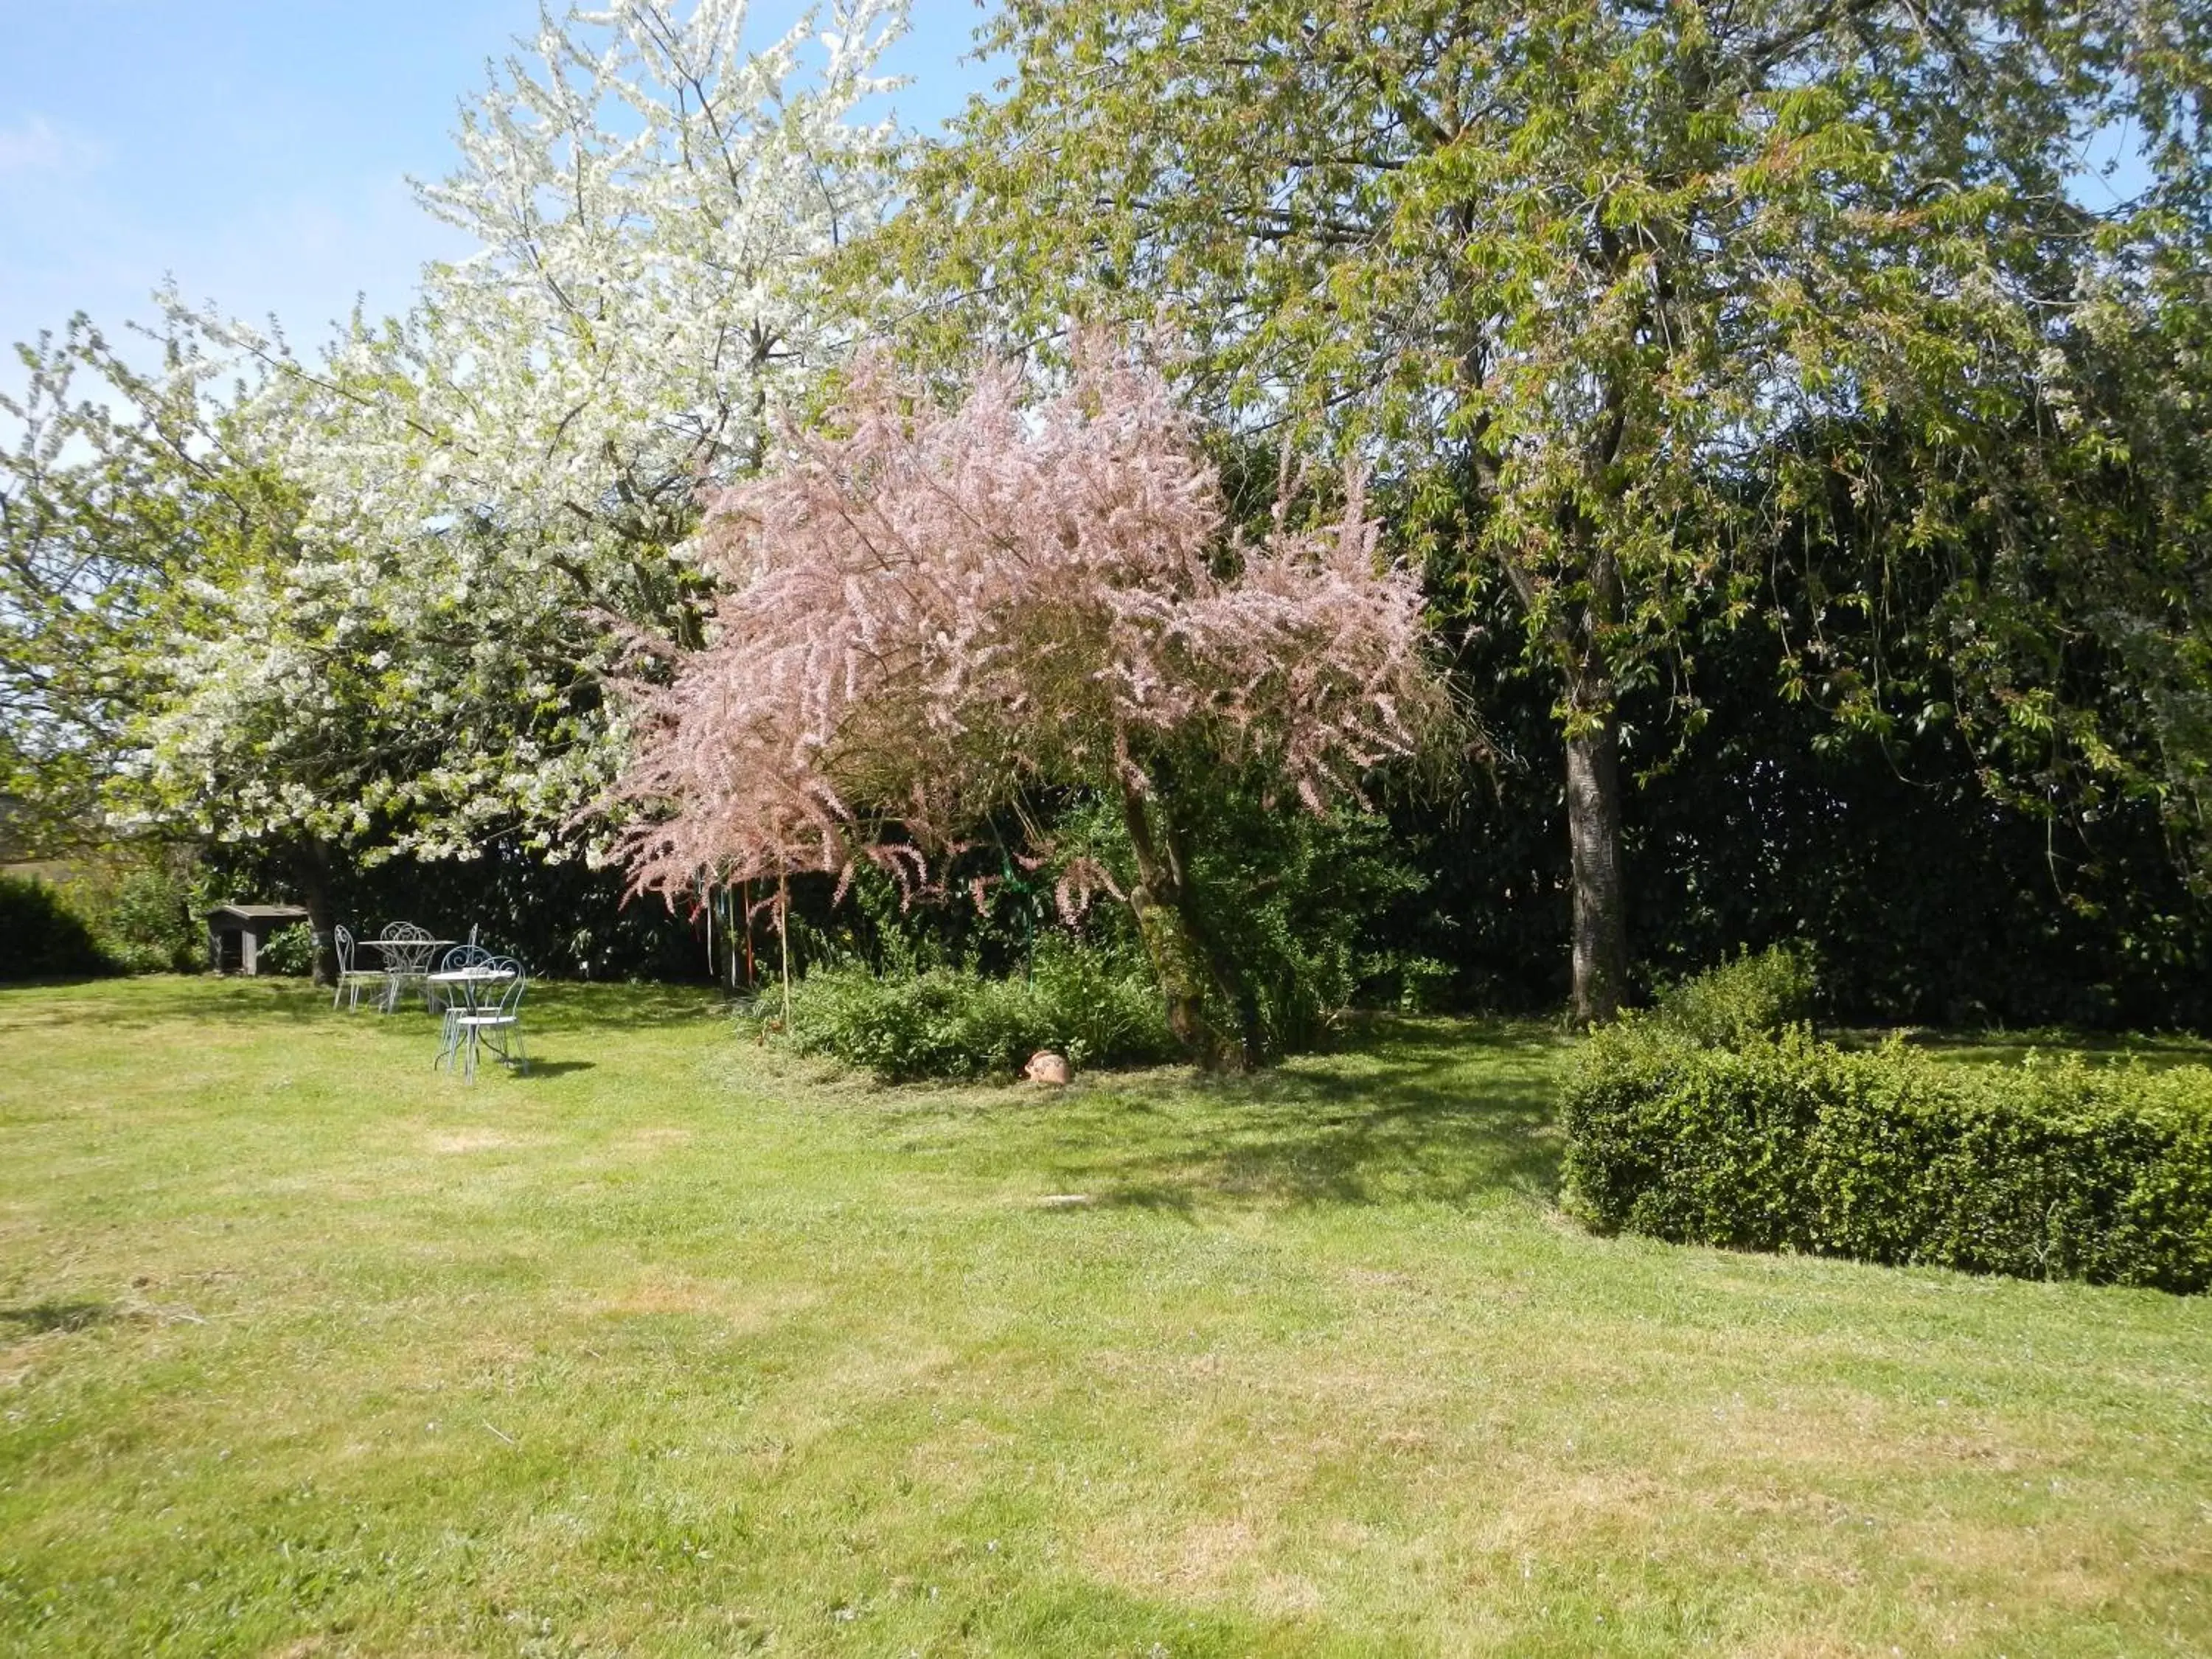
[[257, 150]]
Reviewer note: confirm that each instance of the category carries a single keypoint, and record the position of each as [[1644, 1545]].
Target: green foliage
[[289, 950], [1291, 908], [1293, 911], [1924, 902], [1785, 1143], [137, 917], [1409, 983], [146, 918], [43, 937], [1099, 1008], [1751, 997], [1284, 901], [1666, 316]]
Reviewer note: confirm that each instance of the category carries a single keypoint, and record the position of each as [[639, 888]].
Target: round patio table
[[468, 980], [429, 946], [403, 959], [462, 985]]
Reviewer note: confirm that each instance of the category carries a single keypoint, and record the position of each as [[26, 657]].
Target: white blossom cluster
[[497, 490]]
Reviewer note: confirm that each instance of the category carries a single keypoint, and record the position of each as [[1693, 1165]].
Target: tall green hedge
[[2048, 1169], [41, 937]]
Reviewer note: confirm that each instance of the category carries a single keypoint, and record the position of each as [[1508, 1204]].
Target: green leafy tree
[[1620, 295], [173, 667], [2061, 629], [95, 533]]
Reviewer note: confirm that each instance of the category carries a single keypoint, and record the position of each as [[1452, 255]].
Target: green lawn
[[679, 1346]]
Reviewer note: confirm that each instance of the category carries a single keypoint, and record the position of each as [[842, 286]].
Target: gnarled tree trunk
[[312, 873]]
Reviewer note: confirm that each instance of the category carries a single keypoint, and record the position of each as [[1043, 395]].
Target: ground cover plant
[[681, 1345]]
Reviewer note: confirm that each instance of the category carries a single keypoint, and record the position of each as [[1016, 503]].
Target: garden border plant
[[1098, 1007]]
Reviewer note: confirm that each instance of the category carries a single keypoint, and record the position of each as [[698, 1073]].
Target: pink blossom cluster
[[927, 611]]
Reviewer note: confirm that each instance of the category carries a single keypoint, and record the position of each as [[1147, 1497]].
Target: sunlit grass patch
[[680, 1346]]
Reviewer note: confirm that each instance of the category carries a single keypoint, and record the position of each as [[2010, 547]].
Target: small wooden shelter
[[236, 933]]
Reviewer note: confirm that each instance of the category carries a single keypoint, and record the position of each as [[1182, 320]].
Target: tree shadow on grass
[[1422, 1111], [144, 1003], [567, 1007], [207, 1001], [38, 1318]]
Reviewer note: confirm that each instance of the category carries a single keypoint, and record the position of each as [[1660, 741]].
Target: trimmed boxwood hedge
[[2048, 1170]]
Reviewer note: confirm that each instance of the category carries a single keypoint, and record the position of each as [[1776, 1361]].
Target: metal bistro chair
[[443, 997], [406, 950], [351, 978], [498, 1024]]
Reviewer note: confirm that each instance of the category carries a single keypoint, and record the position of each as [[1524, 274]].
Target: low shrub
[[1759, 995], [1098, 1008], [41, 936], [138, 909], [289, 951], [1405, 982], [146, 920], [2057, 1171]]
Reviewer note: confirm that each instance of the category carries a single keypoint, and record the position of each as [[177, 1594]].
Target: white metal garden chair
[[351, 978], [406, 950], [496, 1025], [449, 999]]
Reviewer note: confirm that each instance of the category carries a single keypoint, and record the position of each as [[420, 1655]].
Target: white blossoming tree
[[497, 489]]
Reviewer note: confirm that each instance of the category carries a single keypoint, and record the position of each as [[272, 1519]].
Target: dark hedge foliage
[[41, 938], [1926, 902], [563, 920], [2044, 1171]]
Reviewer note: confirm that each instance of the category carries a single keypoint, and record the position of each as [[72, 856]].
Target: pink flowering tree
[[926, 615]]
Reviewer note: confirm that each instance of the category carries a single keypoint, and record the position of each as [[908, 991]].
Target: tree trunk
[[313, 876], [1600, 894], [1159, 901]]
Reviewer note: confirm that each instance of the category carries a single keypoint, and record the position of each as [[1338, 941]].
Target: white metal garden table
[[464, 989], [405, 960]]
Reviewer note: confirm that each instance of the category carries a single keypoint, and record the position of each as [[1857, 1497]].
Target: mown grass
[[676, 1347]]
